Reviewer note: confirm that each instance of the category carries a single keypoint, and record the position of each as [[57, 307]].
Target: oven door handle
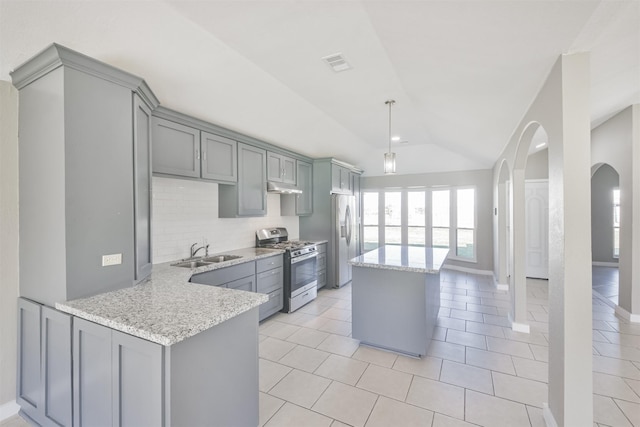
[[303, 257]]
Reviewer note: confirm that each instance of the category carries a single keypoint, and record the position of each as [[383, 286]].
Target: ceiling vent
[[337, 62]]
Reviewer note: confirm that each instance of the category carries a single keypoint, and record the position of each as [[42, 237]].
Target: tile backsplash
[[186, 212]]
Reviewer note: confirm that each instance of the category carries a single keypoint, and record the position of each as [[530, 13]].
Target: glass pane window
[[465, 222], [415, 205], [370, 237], [370, 208], [416, 236], [392, 235], [392, 208], [440, 237], [440, 208]]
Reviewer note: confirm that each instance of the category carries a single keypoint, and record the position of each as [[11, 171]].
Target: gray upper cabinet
[[281, 168], [340, 180], [142, 187], [304, 202], [176, 149], [219, 157], [79, 178], [249, 196]]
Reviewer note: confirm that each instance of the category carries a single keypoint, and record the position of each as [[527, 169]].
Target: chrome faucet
[[195, 251]]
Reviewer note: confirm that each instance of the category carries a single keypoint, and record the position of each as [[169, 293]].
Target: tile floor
[[478, 371], [605, 282]]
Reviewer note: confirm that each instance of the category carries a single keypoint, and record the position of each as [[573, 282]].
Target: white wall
[[185, 212], [481, 179], [8, 241], [537, 165]]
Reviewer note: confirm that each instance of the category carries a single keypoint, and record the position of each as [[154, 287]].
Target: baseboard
[[604, 264], [519, 327], [8, 410], [548, 416], [468, 270], [502, 286], [630, 317]]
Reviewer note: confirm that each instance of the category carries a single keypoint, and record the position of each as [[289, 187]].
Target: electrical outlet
[[113, 259]]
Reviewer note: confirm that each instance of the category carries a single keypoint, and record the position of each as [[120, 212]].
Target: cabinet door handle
[[204, 155], [198, 154]]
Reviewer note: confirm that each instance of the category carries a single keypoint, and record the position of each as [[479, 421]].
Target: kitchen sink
[[191, 264], [221, 258]]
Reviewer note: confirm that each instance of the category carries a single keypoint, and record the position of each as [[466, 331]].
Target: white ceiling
[[463, 73]]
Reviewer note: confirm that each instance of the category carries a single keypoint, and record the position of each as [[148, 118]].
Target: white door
[[537, 228]]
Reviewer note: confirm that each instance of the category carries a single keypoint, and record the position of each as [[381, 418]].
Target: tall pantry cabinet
[[85, 207]]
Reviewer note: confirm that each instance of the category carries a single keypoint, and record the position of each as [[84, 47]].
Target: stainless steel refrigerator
[[342, 244]]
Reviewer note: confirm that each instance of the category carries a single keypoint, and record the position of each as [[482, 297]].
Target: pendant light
[[390, 158]]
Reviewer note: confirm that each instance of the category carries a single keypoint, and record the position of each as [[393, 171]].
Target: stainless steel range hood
[[280, 188]]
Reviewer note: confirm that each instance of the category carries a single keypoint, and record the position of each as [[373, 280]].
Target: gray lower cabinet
[[245, 284], [239, 276], [249, 196], [118, 378], [269, 280], [321, 265], [44, 388], [208, 379]]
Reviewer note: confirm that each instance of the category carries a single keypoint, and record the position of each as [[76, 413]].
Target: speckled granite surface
[[403, 258], [167, 309]]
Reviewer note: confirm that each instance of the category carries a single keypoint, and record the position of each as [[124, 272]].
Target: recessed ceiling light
[[542, 144], [395, 138]]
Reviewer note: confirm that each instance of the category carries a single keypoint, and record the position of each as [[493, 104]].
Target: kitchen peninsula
[[179, 353], [396, 297]]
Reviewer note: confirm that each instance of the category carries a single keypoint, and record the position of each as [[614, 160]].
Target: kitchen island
[[396, 297], [167, 351]]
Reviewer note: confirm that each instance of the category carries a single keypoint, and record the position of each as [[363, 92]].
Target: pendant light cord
[[390, 102]]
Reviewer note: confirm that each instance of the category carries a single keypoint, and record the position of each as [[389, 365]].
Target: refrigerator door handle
[[347, 222]]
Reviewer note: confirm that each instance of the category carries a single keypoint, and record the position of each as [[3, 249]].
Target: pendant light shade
[[389, 157]]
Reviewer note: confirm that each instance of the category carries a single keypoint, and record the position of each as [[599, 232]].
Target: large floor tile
[[467, 376], [493, 411], [389, 412], [346, 404], [533, 393], [294, 416], [467, 339], [490, 360], [531, 369], [307, 336], [605, 411], [278, 330], [437, 396], [467, 315], [485, 329], [451, 323], [375, 356], [338, 314], [446, 350], [304, 358], [273, 349], [343, 369], [612, 386], [300, 388], [512, 348], [618, 351], [336, 327], [269, 405], [427, 366], [613, 366], [440, 420], [630, 410], [536, 417], [540, 353], [385, 381], [344, 346], [270, 373]]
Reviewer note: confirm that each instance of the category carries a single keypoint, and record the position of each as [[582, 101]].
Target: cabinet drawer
[[268, 263], [272, 306], [225, 275], [270, 280], [245, 284]]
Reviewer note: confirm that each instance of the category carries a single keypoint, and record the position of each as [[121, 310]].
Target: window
[[616, 222], [393, 217], [465, 223], [416, 218], [370, 220], [440, 219]]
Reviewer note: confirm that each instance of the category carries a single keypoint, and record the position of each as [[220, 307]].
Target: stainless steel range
[[300, 260]]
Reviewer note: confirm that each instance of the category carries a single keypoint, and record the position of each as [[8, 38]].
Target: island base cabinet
[[395, 310], [44, 386]]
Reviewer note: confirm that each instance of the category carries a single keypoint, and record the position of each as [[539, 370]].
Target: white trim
[[8, 410], [630, 317], [605, 264], [468, 270], [549, 420], [502, 286], [519, 327]]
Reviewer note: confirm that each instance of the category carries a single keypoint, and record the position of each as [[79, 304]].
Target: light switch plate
[[113, 259]]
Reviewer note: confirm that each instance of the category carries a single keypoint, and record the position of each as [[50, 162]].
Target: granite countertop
[[167, 308], [415, 259]]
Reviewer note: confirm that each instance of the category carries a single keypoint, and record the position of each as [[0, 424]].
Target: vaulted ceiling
[[462, 73]]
